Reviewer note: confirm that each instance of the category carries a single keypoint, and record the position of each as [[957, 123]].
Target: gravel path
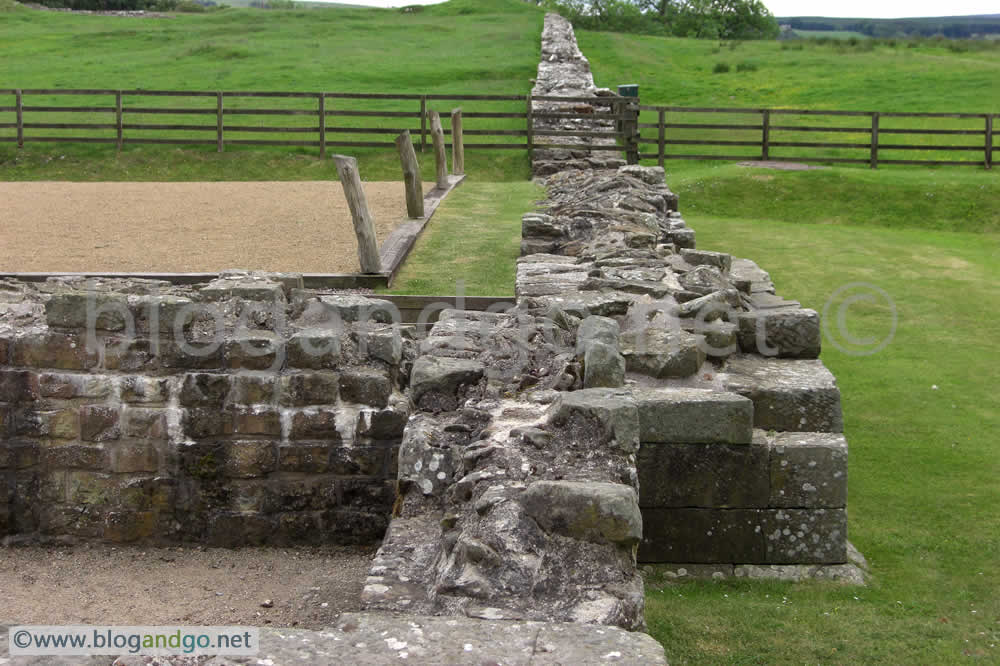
[[302, 226]]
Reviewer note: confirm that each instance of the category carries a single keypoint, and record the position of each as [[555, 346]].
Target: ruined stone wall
[[243, 411]]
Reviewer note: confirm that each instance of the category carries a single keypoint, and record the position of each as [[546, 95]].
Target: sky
[[833, 8]]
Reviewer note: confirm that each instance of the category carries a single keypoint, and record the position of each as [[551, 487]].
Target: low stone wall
[[242, 411]]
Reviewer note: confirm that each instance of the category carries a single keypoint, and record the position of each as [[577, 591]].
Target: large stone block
[[254, 420], [99, 423], [365, 387], [134, 457], [247, 459], [65, 386], [598, 417], [788, 395], [436, 383], [203, 422], [18, 386], [254, 389], [703, 475], [598, 512], [359, 460], [703, 536], [308, 457], [310, 388], [62, 424], [603, 366], [806, 536], [254, 350], [693, 416], [783, 333], [383, 424], [129, 526], [596, 329], [315, 424], [143, 423], [720, 260], [131, 355], [191, 355], [75, 456], [84, 309], [314, 348], [662, 353], [62, 351], [204, 390], [808, 470]]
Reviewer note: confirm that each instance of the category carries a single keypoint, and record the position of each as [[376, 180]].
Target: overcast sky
[[846, 8]]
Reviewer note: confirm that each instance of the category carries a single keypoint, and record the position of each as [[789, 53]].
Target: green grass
[[333, 50], [832, 34], [924, 466], [474, 237]]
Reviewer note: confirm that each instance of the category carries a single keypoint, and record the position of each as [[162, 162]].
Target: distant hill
[[954, 27]]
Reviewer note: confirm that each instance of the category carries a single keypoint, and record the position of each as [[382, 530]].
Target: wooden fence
[[316, 119], [782, 134]]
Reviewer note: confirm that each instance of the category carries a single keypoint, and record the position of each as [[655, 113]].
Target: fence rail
[[316, 119], [804, 129]]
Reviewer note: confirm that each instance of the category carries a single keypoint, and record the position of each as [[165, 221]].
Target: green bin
[[629, 90]]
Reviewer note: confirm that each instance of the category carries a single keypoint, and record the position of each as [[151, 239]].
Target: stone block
[[806, 536], [232, 530], [314, 348], [201, 389], [703, 536], [711, 476], [603, 366], [18, 386], [69, 386], [254, 389], [85, 309], [254, 420], [256, 350], [703, 280], [385, 344], [310, 388], [62, 351], [597, 417], [782, 333], [52, 424], [131, 355], [247, 459], [808, 470], [134, 457], [693, 416], [165, 313], [315, 424], [90, 488], [75, 456], [129, 526], [788, 395], [142, 423], [423, 461], [349, 308], [662, 353], [597, 512], [144, 390], [244, 286], [383, 424], [720, 260], [191, 355], [204, 422], [596, 329], [99, 423], [436, 383], [18, 454], [682, 237], [359, 460], [308, 457]]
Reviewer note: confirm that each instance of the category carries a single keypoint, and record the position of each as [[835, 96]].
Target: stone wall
[[243, 411]]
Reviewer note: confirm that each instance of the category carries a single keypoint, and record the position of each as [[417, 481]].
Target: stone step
[[696, 416]]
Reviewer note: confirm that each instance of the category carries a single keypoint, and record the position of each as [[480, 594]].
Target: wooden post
[[364, 227], [440, 157], [218, 122], [457, 143], [411, 176], [989, 142], [874, 156], [661, 141], [529, 114], [765, 140], [631, 128], [19, 104], [118, 118], [423, 122], [322, 126]]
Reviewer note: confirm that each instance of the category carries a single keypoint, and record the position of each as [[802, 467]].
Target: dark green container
[[629, 90]]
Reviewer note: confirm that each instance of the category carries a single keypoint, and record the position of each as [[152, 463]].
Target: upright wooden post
[[423, 122], [322, 126], [529, 114], [457, 143], [19, 104], [874, 155], [661, 141], [440, 157], [411, 176], [989, 142], [631, 128], [218, 122], [118, 118], [765, 140], [364, 227]]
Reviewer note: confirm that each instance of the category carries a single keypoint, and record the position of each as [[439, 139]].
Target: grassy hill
[[955, 27]]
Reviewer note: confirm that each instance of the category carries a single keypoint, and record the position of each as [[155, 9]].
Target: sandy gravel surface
[[302, 226], [103, 584]]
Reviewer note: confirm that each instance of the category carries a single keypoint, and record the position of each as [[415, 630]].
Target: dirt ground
[[300, 226], [190, 585]]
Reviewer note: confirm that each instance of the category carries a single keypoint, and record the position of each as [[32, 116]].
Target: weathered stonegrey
[[808, 470], [696, 416]]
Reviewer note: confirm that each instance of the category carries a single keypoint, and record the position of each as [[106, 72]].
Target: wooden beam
[[989, 142], [322, 126], [118, 118], [661, 136], [411, 176], [765, 138], [218, 122], [529, 115], [457, 144], [873, 162], [423, 122], [364, 226], [440, 156], [19, 104]]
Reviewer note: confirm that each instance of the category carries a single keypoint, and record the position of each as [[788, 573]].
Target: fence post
[[118, 118], [661, 141], [440, 157], [631, 128], [411, 176], [457, 143], [218, 122], [874, 156], [765, 141], [530, 116], [364, 227], [322, 126], [19, 104], [989, 141], [423, 122]]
